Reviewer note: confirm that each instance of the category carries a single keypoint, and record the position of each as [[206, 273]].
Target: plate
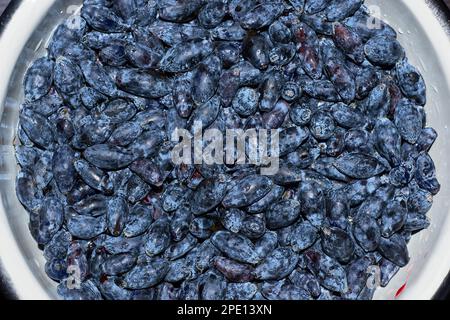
[[422, 30]]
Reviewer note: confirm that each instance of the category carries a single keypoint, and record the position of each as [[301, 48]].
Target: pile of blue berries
[[117, 219]]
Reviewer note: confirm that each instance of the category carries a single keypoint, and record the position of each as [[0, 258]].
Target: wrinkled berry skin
[[337, 72], [426, 174], [308, 50], [349, 42], [411, 82], [233, 271], [408, 120], [127, 89]]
